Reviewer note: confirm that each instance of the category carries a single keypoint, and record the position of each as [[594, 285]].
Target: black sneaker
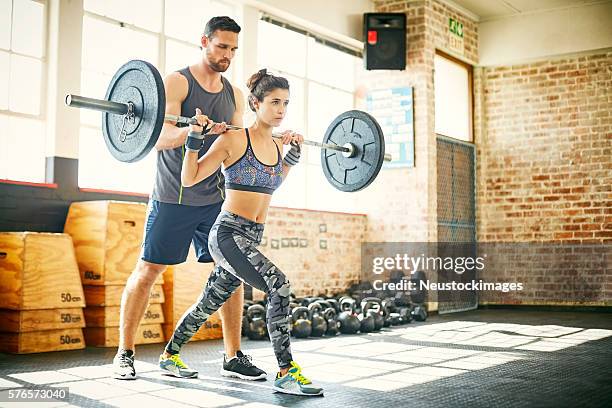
[[241, 367], [123, 365]]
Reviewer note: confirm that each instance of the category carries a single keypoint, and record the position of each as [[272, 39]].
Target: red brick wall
[[313, 270], [544, 148]]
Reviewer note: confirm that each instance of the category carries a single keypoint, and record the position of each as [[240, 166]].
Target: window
[[114, 32], [318, 95], [22, 60], [453, 98]]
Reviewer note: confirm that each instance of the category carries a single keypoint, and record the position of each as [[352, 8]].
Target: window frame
[[43, 65], [308, 161], [161, 64], [470, 72]]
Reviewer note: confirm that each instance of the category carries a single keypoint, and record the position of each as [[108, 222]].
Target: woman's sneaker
[[295, 383], [123, 365], [241, 367], [175, 366]]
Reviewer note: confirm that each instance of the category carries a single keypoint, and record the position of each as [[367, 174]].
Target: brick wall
[[408, 208], [544, 140], [318, 251]]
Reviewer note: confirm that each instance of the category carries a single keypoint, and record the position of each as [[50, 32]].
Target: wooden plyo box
[[111, 295], [109, 336], [107, 236], [21, 321], [100, 316], [183, 285], [38, 271], [41, 341]]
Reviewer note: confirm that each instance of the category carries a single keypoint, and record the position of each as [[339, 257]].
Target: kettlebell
[[257, 322], [419, 313], [374, 309], [301, 327], [349, 322], [319, 324], [405, 314], [334, 303], [333, 325], [366, 318], [245, 319], [394, 317]]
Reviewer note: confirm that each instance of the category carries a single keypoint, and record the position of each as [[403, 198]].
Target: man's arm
[[176, 87], [237, 119]]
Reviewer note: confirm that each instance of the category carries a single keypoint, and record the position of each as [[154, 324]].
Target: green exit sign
[[455, 27]]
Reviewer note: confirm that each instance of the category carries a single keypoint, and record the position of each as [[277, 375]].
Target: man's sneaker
[[123, 365], [175, 366], [241, 367], [295, 383]]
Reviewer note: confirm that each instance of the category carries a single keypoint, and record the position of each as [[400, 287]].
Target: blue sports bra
[[249, 174]]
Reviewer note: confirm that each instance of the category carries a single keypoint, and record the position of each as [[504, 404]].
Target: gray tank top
[[220, 107]]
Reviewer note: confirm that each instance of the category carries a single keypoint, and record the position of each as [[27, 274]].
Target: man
[[178, 216]]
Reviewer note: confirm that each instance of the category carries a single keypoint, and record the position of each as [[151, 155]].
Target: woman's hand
[[205, 122], [289, 136], [202, 122]]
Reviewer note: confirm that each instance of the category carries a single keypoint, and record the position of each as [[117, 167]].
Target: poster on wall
[[393, 108]]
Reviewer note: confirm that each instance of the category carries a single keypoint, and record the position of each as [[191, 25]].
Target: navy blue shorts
[[171, 228]]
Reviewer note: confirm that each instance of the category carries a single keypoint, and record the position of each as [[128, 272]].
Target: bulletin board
[[393, 109]]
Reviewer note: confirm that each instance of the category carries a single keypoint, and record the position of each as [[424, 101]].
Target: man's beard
[[217, 66]]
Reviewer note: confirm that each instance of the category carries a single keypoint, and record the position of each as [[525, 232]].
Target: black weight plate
[[356, 172], [138, 82]]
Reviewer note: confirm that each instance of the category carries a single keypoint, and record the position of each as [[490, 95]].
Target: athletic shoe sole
[[124, 377], [177, 375], [284, 391], [226, 373]]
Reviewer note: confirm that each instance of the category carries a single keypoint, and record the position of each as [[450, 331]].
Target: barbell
[[133, 113]]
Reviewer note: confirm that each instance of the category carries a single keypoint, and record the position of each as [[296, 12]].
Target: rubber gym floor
[[483, 358]]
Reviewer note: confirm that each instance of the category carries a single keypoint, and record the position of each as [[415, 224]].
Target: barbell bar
[[118, 108], [133, 113]]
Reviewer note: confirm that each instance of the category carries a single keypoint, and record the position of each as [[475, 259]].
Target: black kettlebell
[[394, 317], [373, 307], [419, 313], [405, 315], [334, 304], [333, 325], [256, 315], [366, 319], [301, 327], [245, 319], [319, 325], [349, 322]]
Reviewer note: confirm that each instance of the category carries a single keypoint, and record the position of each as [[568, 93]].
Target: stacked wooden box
[[107, 239], [41, 297], [183, 285]]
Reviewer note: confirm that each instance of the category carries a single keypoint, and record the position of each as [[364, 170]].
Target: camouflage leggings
[[231, 242]]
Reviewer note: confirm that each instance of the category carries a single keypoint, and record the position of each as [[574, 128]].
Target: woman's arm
[[195, 170], [292, 157]]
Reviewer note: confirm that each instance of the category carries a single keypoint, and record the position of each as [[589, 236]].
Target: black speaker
[[385, 40]]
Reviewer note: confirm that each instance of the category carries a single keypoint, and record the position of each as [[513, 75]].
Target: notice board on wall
[[393, 109]]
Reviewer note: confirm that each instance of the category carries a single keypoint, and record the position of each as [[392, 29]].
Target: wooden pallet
[[41, 341], [107, 239], [100, 316], [38, 271], [109, 336], [111, 295], [21, 321]]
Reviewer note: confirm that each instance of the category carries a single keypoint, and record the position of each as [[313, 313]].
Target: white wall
[[537, 35]]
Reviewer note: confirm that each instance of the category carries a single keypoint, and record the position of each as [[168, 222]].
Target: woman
[[249, 183]]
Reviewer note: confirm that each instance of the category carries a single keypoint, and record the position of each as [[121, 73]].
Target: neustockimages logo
[[431, 263]]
